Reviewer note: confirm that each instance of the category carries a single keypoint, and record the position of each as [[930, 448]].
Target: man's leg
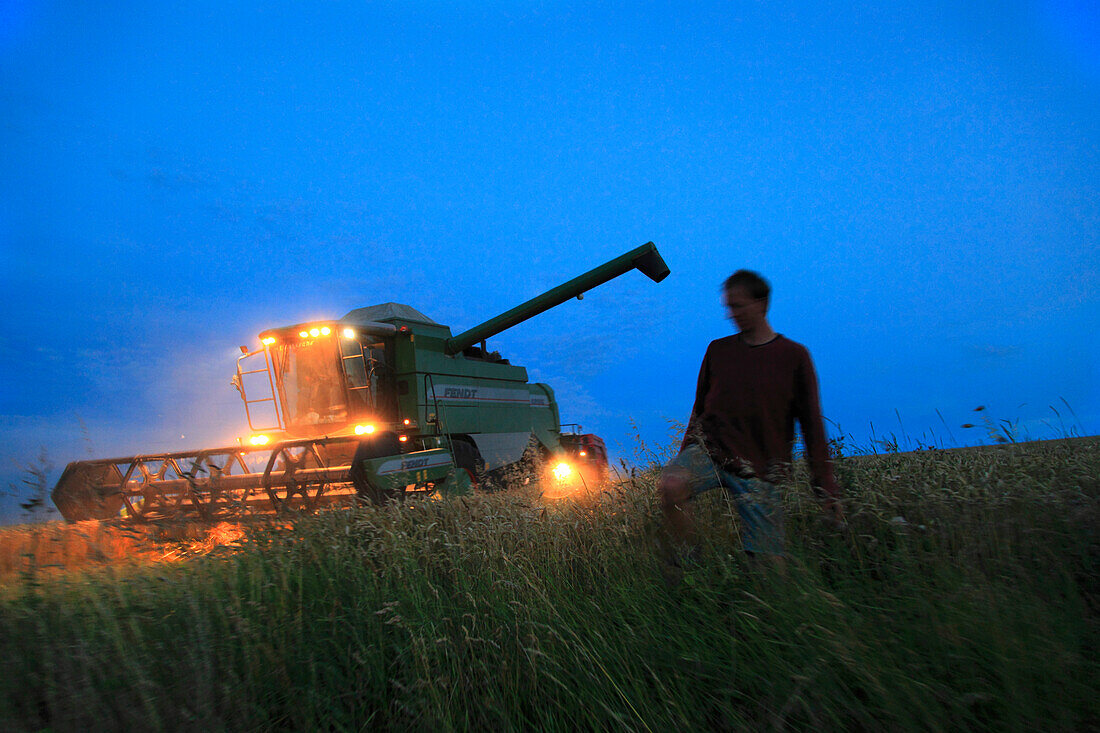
[[689, 474], [766, 541], [758, 503], [675, 491]]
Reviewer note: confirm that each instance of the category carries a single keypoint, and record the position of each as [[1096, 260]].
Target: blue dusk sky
[[918, 181]]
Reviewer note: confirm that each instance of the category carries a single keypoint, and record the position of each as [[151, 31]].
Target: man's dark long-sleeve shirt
[[746, 402]]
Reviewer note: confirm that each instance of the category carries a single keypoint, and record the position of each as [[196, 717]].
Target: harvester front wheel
[[377, 446]]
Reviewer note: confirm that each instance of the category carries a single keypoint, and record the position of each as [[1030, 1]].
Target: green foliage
[[963, 594]]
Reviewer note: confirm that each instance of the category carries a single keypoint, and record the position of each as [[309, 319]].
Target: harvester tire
[[516, 475], [466, 459], [376, 446]]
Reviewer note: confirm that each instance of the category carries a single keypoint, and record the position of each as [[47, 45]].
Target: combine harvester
[[380, 403]]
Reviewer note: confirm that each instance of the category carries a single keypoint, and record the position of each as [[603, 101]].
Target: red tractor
[[586, 451]]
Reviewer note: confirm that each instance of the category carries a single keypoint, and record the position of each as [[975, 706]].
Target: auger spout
[[645, 258]]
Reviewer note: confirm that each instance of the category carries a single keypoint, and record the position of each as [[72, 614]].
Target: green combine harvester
[[375, 405]]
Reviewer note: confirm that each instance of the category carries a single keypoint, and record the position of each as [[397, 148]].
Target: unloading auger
[[374, 405]]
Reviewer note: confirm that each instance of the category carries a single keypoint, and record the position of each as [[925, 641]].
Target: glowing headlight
[[259, 440], [304, 334], [562, 471], [364, 429], [269, 341], [583, 453], [314, 332], [349, 333], [325, 330]]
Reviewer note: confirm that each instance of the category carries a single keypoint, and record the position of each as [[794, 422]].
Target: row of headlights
[[315, 332]]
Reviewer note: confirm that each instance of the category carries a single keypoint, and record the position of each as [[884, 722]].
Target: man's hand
[[834, 512]]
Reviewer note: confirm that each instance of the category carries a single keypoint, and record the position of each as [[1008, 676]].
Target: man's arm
[[808, 412], [694, 428]]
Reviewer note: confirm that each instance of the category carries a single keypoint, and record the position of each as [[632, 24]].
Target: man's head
[[746, 294]]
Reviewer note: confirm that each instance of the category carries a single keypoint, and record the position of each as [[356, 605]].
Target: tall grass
[[962, 595]]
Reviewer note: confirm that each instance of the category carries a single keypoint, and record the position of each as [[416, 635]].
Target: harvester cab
[[379, 403], [324, 378]]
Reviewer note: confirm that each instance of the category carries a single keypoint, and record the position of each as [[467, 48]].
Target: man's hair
[[752, 282]]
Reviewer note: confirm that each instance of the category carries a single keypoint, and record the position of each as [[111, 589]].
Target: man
[[752, 387]]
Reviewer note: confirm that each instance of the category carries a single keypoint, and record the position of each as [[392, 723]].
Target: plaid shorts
[[757, 501]]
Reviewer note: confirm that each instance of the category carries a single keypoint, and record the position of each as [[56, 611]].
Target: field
[[963, 594]]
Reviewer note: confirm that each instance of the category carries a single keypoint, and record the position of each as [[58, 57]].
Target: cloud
[[575, 402], [122, 367]]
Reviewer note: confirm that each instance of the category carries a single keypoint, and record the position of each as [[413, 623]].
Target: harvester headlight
[[314, 332], [364, 429], [349, 333], [304, 334], [562, 471], [269, 341], [325, 330], [403, 438], [583, 454], [259, 440]]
